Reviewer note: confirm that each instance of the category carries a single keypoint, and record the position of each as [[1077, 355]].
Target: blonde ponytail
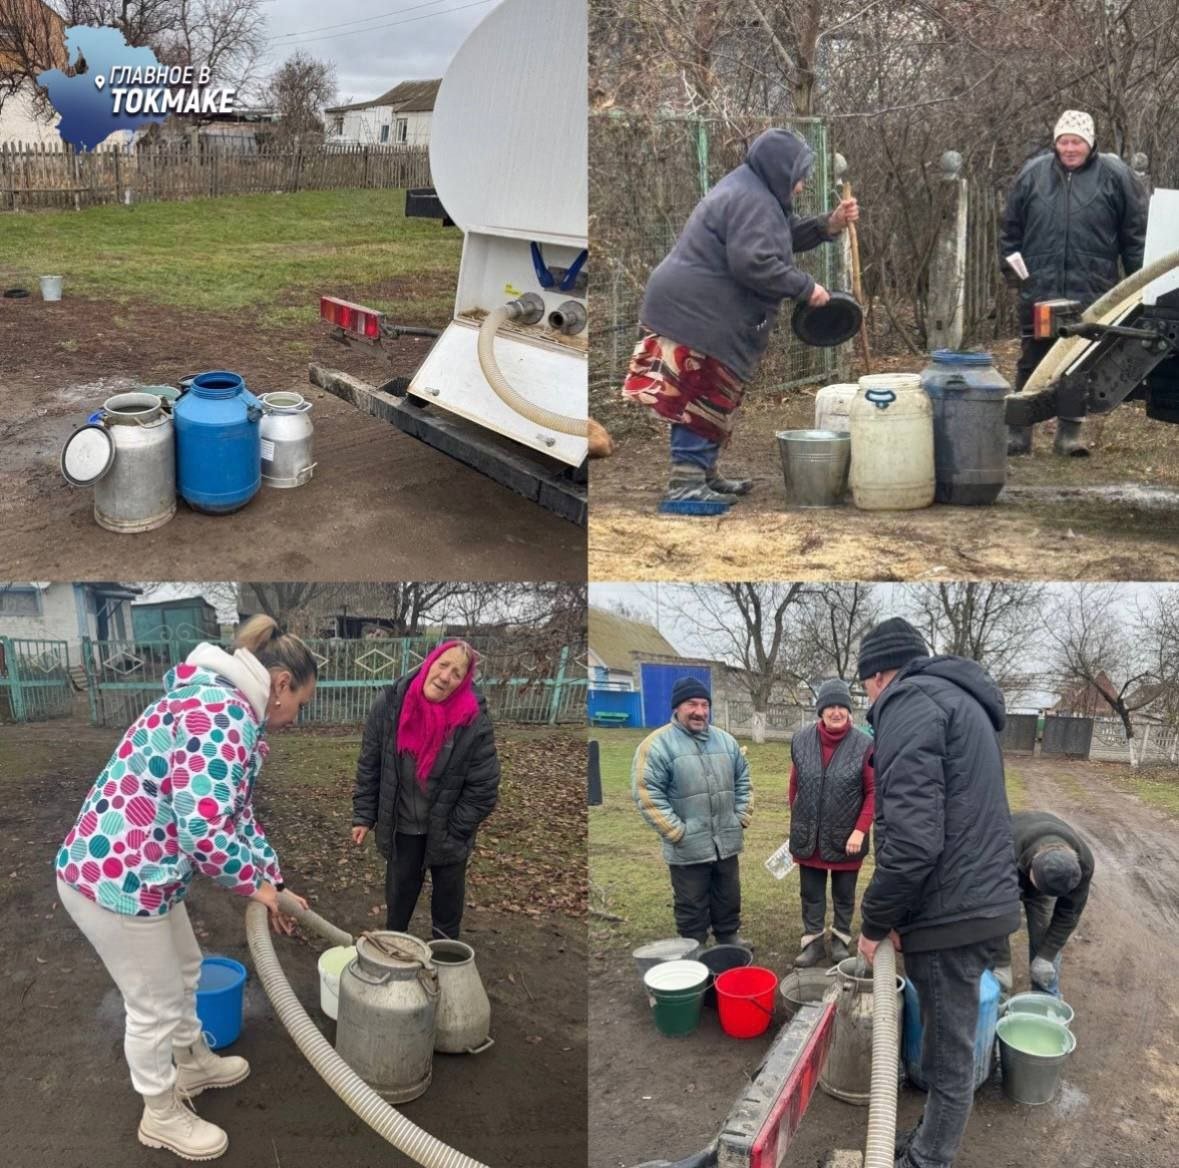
[[275, 649]]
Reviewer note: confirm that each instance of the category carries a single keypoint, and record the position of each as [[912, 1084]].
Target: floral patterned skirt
[[684, 386]]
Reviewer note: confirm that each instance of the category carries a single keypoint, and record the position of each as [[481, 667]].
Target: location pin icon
[[99, 81]]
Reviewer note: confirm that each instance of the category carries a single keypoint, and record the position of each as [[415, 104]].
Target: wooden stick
[[857, 288]]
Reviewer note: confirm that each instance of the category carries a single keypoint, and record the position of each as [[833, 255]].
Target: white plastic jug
[[892, 466], [833, 406]]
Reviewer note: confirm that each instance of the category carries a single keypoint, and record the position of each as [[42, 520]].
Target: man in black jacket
[[1055, 867], [1072, 214], [945, 886]]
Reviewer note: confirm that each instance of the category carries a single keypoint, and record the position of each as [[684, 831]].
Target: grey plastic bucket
[[1032, 1052], [654, 953], [815, 465]]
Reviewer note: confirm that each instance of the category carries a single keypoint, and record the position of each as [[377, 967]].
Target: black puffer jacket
[[1072, 227], [945, 861], [461, 796]]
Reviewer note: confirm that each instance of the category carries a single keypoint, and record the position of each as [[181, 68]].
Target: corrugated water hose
[[1067, 349], [385, 1120], [882, 1095], [562, 423]]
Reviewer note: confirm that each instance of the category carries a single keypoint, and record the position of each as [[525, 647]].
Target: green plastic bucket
[[1032, 1052], [676, 991]]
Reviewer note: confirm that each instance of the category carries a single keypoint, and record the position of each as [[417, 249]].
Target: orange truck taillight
[[1049, 315], [352, 318]]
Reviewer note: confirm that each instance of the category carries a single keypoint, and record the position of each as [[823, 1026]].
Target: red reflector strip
[[769, 1149], [353, 318]]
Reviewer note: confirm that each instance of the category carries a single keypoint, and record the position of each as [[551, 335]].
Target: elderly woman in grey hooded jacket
[[711, 305]]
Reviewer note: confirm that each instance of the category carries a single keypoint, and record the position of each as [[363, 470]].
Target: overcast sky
[[374, 44]]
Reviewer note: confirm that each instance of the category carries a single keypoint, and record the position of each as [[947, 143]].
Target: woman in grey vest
[[832, 801]]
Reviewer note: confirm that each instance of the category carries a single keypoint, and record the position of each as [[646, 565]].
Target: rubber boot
[[1068, 442], [733, 939], [840, 950], [197, 1067], [170, 1122], [1019, 440], [813, 951], [688, 493], [725, 486]]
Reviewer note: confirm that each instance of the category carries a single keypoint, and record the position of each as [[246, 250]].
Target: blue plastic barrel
[[219, 999], [969, 426], [984, 1036], [218, 443]]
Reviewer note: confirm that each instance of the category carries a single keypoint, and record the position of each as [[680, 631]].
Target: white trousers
[[156, 964]]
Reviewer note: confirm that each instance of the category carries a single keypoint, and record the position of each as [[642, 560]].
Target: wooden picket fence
[[33, 177]]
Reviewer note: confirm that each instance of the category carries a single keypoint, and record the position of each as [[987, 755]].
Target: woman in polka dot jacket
[[174, 800]]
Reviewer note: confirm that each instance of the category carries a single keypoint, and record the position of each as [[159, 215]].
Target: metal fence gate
[[1071, 736], [124, 676], [34, 680], [647, 174], [1019, 734]]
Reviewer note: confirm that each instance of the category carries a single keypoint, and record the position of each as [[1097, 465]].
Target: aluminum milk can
[[138, 493], [287, 431], [464, 1010], [848, 1072], [387, 1014]]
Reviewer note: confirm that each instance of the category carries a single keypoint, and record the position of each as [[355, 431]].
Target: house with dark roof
[[399, 117]]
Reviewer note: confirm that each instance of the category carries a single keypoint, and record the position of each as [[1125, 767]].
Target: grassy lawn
[[270, 254], [628, 877], [1156, 786]]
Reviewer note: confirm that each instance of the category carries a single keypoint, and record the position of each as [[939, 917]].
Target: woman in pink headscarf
[[427, 776]]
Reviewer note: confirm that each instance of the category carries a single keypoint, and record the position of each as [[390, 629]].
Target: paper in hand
[[1016, 262]]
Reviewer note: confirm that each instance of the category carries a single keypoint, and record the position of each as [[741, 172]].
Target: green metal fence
[[124, 676], [34, 680], [647, 174]]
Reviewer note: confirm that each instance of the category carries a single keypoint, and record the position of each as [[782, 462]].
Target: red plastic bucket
[[745, 1000]]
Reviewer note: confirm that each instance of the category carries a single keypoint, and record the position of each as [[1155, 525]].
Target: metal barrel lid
[[833, 324], [89, 453], [393, 952]]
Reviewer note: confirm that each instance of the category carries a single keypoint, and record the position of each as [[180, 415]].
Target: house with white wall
[[612, 641], [67, 612], [400, 117]]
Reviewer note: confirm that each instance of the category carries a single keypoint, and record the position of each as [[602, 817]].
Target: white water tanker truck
[[504, 387], [1125, 346]]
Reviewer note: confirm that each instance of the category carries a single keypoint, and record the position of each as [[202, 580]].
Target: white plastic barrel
[[331, 965], [892, 466], [833, 406]]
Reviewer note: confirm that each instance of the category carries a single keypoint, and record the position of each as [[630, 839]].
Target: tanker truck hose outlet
[[882, 1097], [525, 311], [386, 1121], [1113, 303]]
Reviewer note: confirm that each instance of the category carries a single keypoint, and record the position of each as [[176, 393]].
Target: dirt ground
[[381, 504], [1112, 516], [65, 1100], [654, 1097]]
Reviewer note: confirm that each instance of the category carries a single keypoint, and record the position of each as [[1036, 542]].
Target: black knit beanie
[[833, 692], [890, 645], [687, 688]]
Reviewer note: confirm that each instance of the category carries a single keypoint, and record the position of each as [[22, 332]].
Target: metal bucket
[[1032, 1052], [848, 1072], [654, 953], [1043, 1005], [802, 987], [287, 460], [815, 465], [139, 492], [464, 1010]]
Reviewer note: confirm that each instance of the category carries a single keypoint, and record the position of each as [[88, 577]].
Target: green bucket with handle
[[676, 992]]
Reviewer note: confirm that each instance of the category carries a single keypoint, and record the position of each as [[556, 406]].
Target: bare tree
[[830, 622], [996, 625], [745, 624], [31, 42], [1099, 648], [299, 90]]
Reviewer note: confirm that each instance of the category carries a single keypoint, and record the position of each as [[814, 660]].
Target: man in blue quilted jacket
[[691, 783]]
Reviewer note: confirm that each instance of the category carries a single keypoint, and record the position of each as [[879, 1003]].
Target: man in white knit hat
[[1072, 215]]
